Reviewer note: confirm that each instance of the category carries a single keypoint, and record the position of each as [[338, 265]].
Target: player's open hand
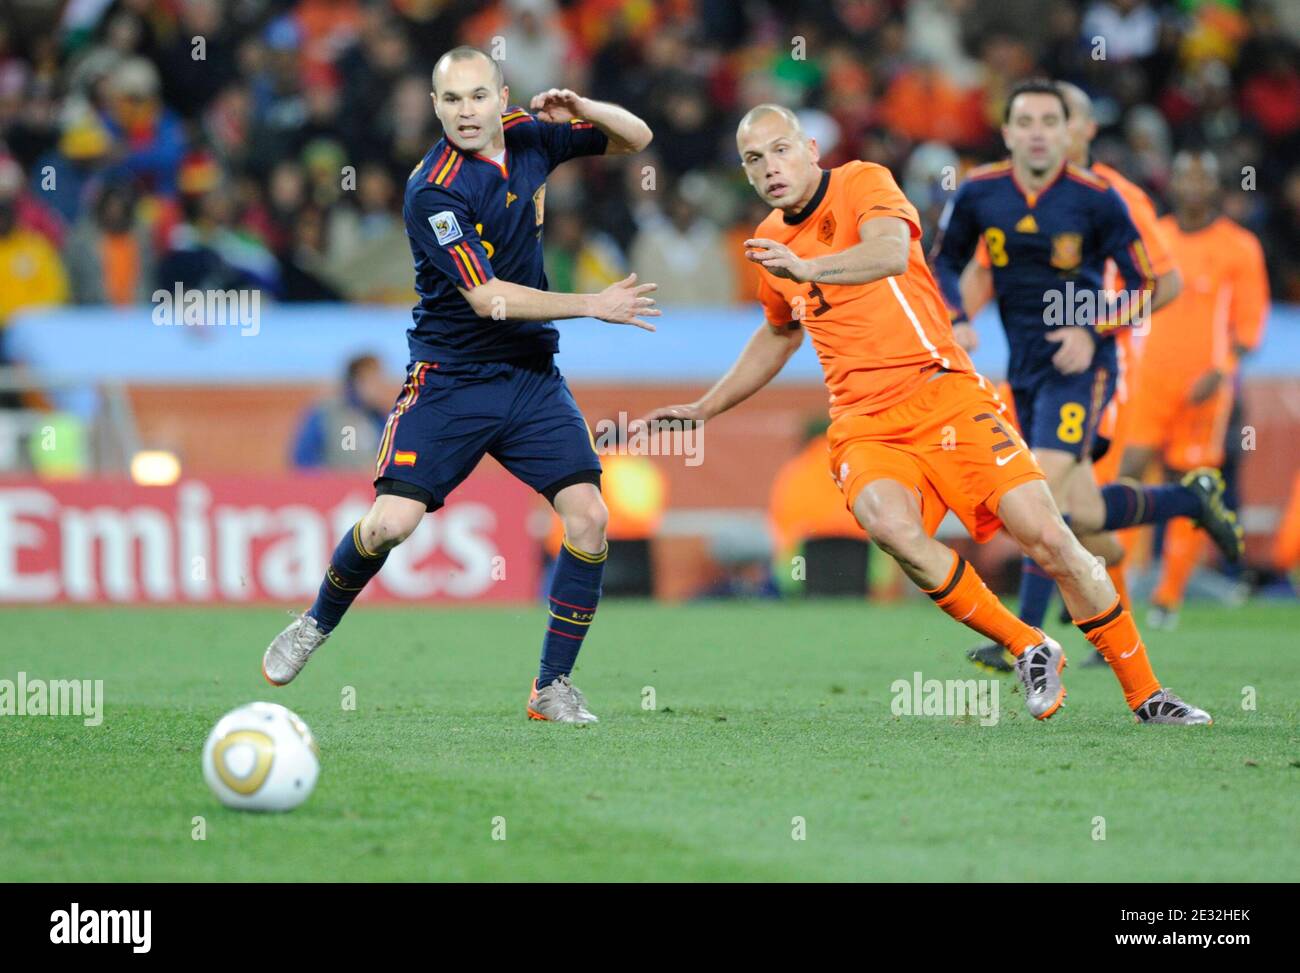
[[626, 302], [1075, 354], [557, 105], [686, 415], [777, 258]]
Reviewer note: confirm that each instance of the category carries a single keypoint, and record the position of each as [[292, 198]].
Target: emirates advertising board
[[241, 540]]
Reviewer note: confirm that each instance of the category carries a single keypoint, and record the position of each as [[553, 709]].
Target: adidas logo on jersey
[[1027, 224]]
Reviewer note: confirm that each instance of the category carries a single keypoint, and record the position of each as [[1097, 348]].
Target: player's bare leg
[[890, 512], [1086, 505], [1036, 587], [574, 594], [1030, 516], [389, 521]]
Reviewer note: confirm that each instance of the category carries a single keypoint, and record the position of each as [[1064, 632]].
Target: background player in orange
[[915, 432], [1185, 380], [1102, 465]]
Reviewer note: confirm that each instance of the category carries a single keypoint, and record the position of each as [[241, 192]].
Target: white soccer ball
[[261, 757]]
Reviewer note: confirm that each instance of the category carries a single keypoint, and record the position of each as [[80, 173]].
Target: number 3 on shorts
[[1071, 428]]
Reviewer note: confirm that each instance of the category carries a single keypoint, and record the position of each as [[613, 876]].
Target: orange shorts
[[1185, 435], [950, 441]]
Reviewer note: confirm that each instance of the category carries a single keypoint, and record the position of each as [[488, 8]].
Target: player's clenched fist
[[777, 259], [557, 105], [625, 302]]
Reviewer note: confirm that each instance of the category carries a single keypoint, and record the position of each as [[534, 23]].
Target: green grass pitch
[[764, 713]]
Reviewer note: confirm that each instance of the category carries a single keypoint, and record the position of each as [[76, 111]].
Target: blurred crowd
[[230, 143]]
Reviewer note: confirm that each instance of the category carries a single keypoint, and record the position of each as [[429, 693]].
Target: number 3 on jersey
[[823, 305]]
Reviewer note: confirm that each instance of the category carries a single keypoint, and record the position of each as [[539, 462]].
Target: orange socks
[[1116, 638], [1182, 552], [1121, 584], [967, 599]]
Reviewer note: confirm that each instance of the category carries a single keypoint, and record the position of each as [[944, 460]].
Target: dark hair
[[1034, 86], [359, 364]]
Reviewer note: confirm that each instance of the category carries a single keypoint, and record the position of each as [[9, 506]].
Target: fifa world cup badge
[[539, 203]]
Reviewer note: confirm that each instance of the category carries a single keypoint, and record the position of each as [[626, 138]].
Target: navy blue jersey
[[469, 220], [1047, 254]]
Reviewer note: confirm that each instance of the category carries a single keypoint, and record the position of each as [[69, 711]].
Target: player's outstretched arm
[[764, 356], [626, 132], [623, 302], [882, 253]]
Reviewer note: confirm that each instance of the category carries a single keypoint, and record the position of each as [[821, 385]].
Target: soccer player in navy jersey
[[482, 378]]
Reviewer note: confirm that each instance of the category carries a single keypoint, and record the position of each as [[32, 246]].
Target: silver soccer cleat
[[291, 649], [560, 702], [1039, 671], [1162, 706]]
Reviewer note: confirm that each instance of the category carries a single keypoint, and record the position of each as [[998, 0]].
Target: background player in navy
[[1049, 227], [482, 379]]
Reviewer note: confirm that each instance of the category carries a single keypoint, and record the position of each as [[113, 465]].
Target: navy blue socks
[[1129, 503], [574, 595], [351, 568], [1036, 588]]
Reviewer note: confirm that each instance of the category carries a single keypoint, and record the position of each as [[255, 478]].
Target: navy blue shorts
[[1063, 411], [449, 415]]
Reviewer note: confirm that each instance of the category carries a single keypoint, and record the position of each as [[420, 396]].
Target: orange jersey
[[1223, 303], [1128, 343], [878, 342], [1143, 213]]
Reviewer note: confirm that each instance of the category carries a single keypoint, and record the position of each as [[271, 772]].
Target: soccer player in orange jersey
[[1185, 381], [915, 432], [1081, 488]]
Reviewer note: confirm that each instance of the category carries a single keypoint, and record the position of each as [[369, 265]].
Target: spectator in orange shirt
[[109, 254]]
